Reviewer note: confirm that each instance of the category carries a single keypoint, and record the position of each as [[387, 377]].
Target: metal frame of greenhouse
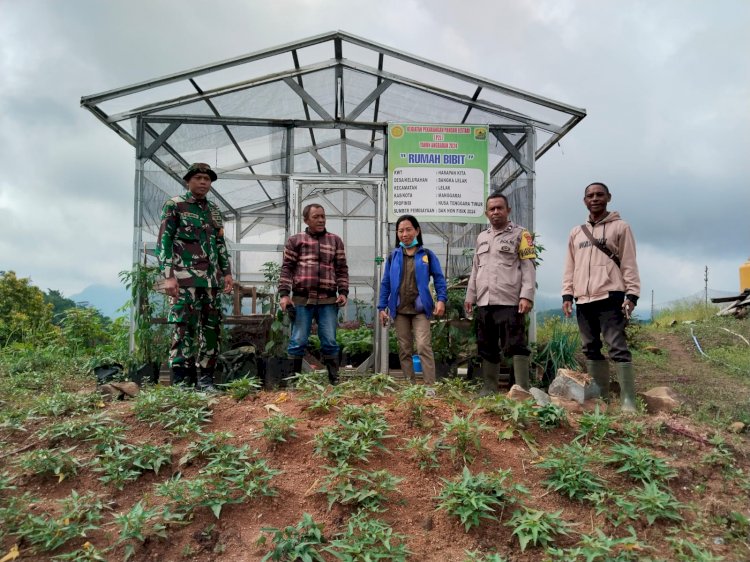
[[306, 122]]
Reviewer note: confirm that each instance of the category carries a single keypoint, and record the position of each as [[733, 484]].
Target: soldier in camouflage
[[194, 259]]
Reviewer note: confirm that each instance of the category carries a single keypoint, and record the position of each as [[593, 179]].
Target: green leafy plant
[[686, 551], [359, 430], [550, 416], [456, 390], [602, 548], [206, 445], [79, 428], [366, 490], [278, 428], [474, 497], [77, 516], [232, 476], [377, 384], [424, 453], [86, 553], [241, 388], [414, 398], [537, 527], [367, 539], [175, 408], [462, 436], [476, 556], [563, 341], [721, 456], [519, 414], [56, 462], [137, 525], [122, 462], [639, 464], [65, 404], [569, 471], [297, 542], [654, 503], [594, 426]]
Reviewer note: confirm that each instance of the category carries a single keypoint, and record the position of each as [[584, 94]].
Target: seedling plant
[[366, 490], [537, 527], [569, 472], [368, 539], [241, 388], [474, 497], [279, 428], [299, 542], [55, 462], [462, 436]]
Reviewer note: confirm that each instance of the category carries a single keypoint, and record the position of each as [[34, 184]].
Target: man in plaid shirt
[[315, 280]]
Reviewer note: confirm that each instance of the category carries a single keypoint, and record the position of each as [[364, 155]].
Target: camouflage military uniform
[[192, 249]]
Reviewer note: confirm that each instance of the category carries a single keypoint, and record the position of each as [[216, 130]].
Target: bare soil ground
[[432, 534]]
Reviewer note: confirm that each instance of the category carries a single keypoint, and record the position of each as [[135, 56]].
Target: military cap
[[199, 168]]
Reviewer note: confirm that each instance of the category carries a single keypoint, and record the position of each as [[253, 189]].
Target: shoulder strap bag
[[601, 246]]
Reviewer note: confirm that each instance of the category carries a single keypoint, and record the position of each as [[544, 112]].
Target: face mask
[[413, 243]]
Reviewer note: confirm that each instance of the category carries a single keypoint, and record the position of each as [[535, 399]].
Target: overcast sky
[[666, 84]]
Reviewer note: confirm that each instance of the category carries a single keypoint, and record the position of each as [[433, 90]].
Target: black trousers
[[606, 319], [501, 329]]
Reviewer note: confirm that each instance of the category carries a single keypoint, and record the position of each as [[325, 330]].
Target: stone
[[541, 397], [573, 385], [660, 399], [109, 393], [737, 427], [519, 394], [128, 388], [577, 408]]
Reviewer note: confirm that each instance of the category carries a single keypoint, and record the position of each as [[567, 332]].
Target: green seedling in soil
[[721, 456], [654, 503], [550, 416], [124, 463], [241, 388], [137, 525], [174, 408], [65, 404], [207, 445], [639, 464], [366, 490], [278, 428], [13, 513], [687, 551], [569, 472], [6, 482], [367, 539], [462, 436], [594, 426], [78, 515], [311, 384], [519, 414], [537, 527], [422, 451], [52, 462], [456, 390], [76, 428], [324, 402], [476, 556], [474, 497], [86, 553], [414, 398], [297, 543], [230, 477], [359, 430], [370, 385], [602, 548]]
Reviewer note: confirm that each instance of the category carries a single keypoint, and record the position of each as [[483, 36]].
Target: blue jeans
[[326, 316]]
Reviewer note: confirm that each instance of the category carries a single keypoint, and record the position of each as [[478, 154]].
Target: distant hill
[[105, 298]]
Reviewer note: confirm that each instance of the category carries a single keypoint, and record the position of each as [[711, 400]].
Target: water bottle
[[417, 364]]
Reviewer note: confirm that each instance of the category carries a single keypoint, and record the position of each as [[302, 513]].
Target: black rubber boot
[[206, 381], [192, 376], [180, 375], [332, 365], [490, 376], [297, 367]]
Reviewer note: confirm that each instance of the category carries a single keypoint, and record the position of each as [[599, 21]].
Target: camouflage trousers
[[196, 315]]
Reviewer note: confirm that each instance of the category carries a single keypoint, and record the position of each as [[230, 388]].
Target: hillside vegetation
[[373, 469]]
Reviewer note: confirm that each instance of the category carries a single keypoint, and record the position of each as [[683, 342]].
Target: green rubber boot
[[626, 376], [599, 371], [490, 377], [521, 370]]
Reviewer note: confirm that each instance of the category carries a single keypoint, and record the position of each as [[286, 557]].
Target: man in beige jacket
[[601, 276], [502, 285]]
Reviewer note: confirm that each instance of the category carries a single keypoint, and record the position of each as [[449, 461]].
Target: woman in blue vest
[[405, 297]]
